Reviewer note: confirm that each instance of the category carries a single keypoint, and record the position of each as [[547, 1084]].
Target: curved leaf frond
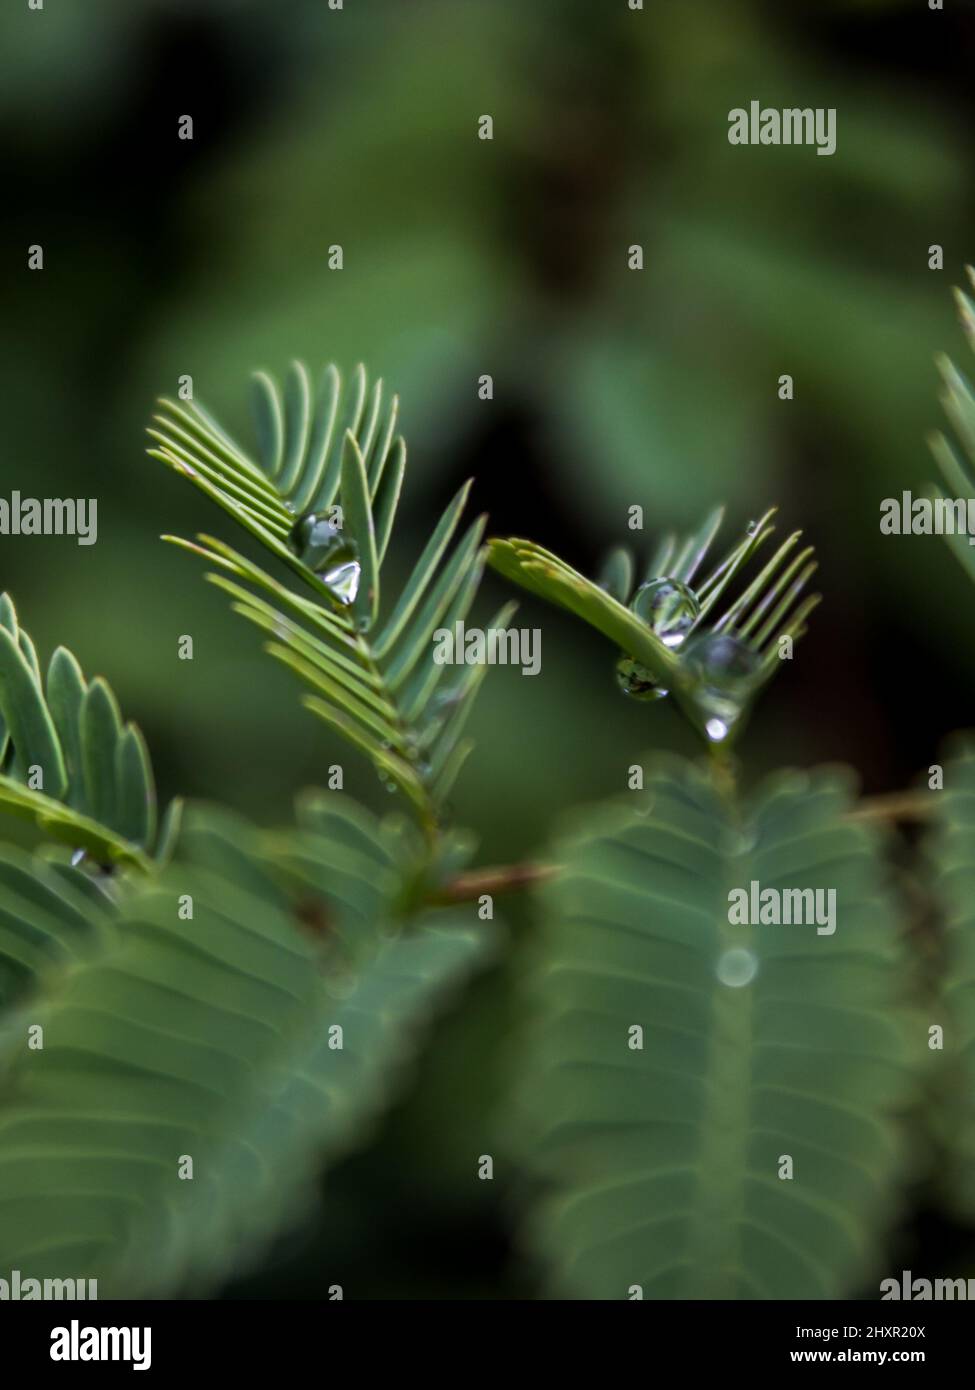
[[372, 672], [67, 760], [254, 1041], [318, 452], [954, 860], [51, 917], [680, 1057], [958, 470], [544, 574], [771, 608]]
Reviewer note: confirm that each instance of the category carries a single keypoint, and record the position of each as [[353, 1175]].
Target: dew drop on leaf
[[737, 967], [723, 672], [669, 608], [319, 544], [343, 581], [386, 780], [636, 681]]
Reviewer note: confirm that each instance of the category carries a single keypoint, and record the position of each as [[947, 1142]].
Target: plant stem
[[894, 806], [504, 878]]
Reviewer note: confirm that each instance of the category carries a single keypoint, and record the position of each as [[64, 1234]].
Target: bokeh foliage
[[611, 387]]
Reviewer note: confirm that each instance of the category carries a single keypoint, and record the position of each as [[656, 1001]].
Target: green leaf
[[758, 1042], [371, 676], [958, 401], [299, 466], [136, 794], [28, 720], [257, 1039], [97, 792], [617, 574], [544, 574], [47, 923], [101, 731], [386, 497], [358, 514], [768, 610], [65, 696], [953, 855]]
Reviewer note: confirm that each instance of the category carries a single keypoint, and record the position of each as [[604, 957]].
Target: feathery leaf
[[959, 474], [330, 470], [665, 1145], [715, 682], [953, 855], [255, 1040], [68, 762]]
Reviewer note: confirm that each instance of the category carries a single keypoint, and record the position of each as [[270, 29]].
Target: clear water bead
[[343, 581], [668, 607], [334, 557], [737, 967], [724, 672], [636, 681], [319, 544]]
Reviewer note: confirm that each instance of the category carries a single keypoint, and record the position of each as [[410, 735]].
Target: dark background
[[612, 388]]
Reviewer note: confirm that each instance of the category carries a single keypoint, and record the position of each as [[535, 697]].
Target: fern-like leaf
[[954, 862], [958, 400], [67, 761], [255, 1039], [758, 1042], [315, 451], [376, 683], [771, 608]]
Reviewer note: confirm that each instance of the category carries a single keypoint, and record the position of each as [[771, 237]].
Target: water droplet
[[737, 967], [343, 581], [636, 681], [387, 781], [668, 607], [319, 544], [289, 507], [78, 857], [752, 527], [723, 672]]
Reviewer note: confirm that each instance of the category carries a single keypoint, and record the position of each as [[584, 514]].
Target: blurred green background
[[612, 388]]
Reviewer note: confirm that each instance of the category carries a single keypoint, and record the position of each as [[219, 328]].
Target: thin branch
[[505, 878], [895, 806]]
